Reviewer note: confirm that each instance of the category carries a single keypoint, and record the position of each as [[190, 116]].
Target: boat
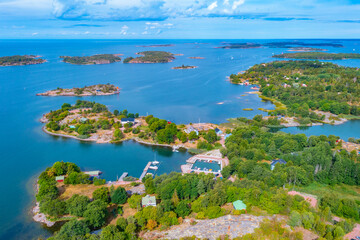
[[153, 167], [155, 162]]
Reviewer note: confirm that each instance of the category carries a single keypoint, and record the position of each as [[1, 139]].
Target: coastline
[[47, 94]]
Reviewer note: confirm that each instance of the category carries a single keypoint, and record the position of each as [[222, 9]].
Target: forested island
[[184, 67], [151, 57], [18, 60], [292, 45], [95, 59], [90, 121], [319, 55], [93, 90], [308, 183], [158, 45], [240, 45], [307, 90]]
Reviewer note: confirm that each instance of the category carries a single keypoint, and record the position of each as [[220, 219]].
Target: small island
[[240, 45], [151, 57], [19, 60], [94, 90], [319, 55], [196, 57], [306, 49], [157, 45], [184, 67], [90, 60]]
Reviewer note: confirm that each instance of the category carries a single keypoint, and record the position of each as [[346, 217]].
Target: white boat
[[153, 167], [155, 162]]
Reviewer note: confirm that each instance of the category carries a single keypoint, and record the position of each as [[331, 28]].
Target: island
[[196, 57], [151, 57], [305, 49], [90, 121], [274, 185], [240, 45], [184, 67], [292, 45], [158, 45], [306, 93], [18, 60], [93, 90], [90, 60], [319, 55]]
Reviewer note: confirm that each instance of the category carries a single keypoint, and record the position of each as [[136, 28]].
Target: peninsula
[[184, 67], [151, 57], [309, 92], [319, 55], [90, 60], [18, 60], [94, 90]]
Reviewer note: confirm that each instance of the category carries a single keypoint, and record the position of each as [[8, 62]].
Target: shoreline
[[46, 94]]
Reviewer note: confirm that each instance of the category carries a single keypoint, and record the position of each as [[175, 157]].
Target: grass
[[341, 190], [278, 105], [349, 117], [248, 109], [81, 189], [196, 151], [232, 123]]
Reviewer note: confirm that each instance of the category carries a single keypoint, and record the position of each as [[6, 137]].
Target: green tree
[[72, 230], [295, 219], [211, 136], [77, 204], [111, 232], [95, 213], [182, 209], [101, 194], [119, 196], [135, 201]]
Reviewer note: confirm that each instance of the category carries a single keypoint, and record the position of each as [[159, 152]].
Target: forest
[[307, 85], [151, 57], [319, 55], [20, 60], [95, 59]]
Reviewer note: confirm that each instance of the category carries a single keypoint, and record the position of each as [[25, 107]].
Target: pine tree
[[175, 199], [201, 187]]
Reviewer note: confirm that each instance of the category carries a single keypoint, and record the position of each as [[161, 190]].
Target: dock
[[123, 176], [145, 171]]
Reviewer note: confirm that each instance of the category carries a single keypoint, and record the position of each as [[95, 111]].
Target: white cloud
[[34, 34], [236, 4], [212, 6]]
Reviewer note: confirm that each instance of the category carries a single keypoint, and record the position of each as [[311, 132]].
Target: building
[[227, 135], [148, 201], [60, 178], [239, 205], [93, 173], [274, 162], [191, 129], [218, 131], [83, 119], [127, 120]]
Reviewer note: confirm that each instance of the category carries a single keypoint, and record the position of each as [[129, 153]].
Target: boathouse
[[239, 205], [60, 178], [127, 120], [93, 173]]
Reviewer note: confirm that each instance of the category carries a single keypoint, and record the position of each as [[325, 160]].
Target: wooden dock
[[122, 176], [145, 171]]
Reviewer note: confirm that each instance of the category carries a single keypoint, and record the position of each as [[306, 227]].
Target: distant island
[[305, 49], [94, 90], [319, 55], [95, 59], [18, 60], [240, 45], [184, 67], [151, 57], [157, 45], [294, 45], [196, 57]]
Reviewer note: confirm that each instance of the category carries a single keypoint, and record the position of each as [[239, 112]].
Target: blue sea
[[182, 96]]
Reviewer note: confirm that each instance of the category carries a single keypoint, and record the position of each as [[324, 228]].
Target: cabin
[[218, 131], [239, 205], [60, 178], [148, 201], [274, 162], [191, 129], [93, 173], [83, 119], [127, 120]]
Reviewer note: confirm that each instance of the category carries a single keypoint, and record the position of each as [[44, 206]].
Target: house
[[228, 135], [148, 201], [191, 129], [218, 131], [239, 205], [60, 178], [274, 162], [72, 127], [93, 173], [83, 119], [127, 120]]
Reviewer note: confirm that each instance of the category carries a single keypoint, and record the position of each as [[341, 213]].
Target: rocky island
[[196, 57], [94, 90], [90, 60], [319, 55], [18, 60], [151, 57], [184, 67]]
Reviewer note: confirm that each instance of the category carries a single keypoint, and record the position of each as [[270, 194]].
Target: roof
[[59, 178], [83, 119], [148, 200], [93, 173], [228, 135], [128, 119], [281, 161], [239, 205]]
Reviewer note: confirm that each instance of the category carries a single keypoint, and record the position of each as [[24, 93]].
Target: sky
[[179, 19]]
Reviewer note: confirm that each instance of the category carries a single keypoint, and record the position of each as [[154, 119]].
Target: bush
[[101, 194]]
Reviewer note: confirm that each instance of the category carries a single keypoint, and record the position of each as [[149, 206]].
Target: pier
[[123, 175], [145, 171]]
